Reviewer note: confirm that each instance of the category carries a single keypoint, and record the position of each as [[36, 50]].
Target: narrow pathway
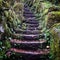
[[30, 46]]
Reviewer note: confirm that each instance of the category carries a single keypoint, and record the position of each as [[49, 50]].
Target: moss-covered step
[[33, 25], [31, 22], [33, 28], [31, 32], [31, 19], [26, 9], [38, 52], [29, 14], [27, 31], [29, 45], [25, 5], [29, 36]]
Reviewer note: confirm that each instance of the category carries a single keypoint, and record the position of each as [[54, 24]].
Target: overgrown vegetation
[[9, 21], [50, 15], [46, 11]]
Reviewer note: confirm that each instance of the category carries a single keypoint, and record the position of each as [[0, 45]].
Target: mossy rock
[[18, 6], [55, 41], [1, 3], [54, 1], [54, 8], [53, 18]]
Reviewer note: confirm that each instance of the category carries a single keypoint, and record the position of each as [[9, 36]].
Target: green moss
[[18, 5], [55, 41], [1, 3], [53, 18]]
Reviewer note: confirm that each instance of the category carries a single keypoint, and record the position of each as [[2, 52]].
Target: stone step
[[33, 28], [29, 36], [29, 26], [31, 22], [30, 33], [20, 56], [28, 15], [27, 42], [27, 31], [28, 12], [26, 9], [32, 19], [25, 6], [29, 45], [33, 25], [38, 52]]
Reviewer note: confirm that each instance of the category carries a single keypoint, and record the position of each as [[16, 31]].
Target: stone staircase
[[32, 45]]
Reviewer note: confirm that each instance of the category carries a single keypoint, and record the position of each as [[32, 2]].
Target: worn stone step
[[28, 15], [32, 25], [29, 45], [27, 42], [20, 56], [28, 12], [28, 36], [18, 30], [25, 36], [31, 22], [33, 28], [32, 19], [32, 37], [38, 52], [26, 9], [25, 6], [30, 32], [27, 31]]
